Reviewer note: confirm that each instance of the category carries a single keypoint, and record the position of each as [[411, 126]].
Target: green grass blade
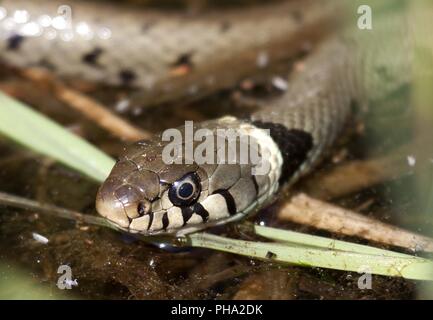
[[407, 267], [37, 132], [321, 242]]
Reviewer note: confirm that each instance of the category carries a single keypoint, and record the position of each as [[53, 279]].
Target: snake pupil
[[186, 190]]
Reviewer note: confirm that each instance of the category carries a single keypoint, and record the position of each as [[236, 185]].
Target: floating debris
[[39, 238], [280, 83], [122, 105], [411, 160]]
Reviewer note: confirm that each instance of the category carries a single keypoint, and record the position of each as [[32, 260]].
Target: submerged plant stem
[[27, 204], [408, 267], [321, 215]]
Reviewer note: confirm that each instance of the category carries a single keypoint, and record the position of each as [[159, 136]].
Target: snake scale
[[169, 56]]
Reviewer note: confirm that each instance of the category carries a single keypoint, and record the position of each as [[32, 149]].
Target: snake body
[[145, 194], [165, 56]]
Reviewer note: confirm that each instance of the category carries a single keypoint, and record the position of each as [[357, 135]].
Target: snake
[[165, 56]]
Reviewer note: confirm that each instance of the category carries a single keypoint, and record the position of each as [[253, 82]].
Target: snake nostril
[[143, 208]]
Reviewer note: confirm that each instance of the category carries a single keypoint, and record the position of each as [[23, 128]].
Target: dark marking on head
[[92, 57], [197, 208], [294, 145], [127, 77], [183, 60], [256, 186], [165, 221], [14, 42], [201, 211], [150, 220], [187, 213], [231, 204]]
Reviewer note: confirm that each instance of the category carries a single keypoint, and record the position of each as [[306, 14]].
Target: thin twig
[[335, 183], [305, 210], [87, 106], [23, 203]]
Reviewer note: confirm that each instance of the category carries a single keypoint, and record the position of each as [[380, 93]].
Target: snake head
[[139, 200], [144, 194]]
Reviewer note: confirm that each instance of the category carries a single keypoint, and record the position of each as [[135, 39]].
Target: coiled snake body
[[146, 195]]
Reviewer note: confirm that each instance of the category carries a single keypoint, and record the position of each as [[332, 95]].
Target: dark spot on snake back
[[14, 42], [297, 16], [294, 145], [127, 77], [146, 26], [92, 57], [183, 60], [225, 26]]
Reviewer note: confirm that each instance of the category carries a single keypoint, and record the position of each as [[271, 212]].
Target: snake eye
[[185, 190]]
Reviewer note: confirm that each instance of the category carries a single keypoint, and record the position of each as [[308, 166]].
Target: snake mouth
[[112, 209]]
